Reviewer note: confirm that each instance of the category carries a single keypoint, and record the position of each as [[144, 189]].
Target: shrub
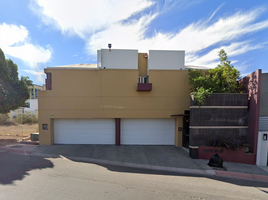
[[4, 119], [200, 95], [222, 79], [26, 118]]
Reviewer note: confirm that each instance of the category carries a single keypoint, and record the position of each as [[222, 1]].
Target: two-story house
[[126, 98]]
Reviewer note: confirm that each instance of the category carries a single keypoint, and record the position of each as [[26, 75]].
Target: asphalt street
[[30, 177]]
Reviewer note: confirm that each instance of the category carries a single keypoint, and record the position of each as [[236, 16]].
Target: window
[[139, 79], [36, 92], [145, 79], [49, 81], [27, 104]]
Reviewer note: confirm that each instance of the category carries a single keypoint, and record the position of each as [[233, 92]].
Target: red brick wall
[[252, 85]]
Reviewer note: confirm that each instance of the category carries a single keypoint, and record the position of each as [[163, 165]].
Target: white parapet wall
[[262, 148], [118, 59], [98, 58], [32, 107], [263, 123], [166, 60]]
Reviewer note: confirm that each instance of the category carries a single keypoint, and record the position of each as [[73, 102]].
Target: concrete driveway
[[164, 158]]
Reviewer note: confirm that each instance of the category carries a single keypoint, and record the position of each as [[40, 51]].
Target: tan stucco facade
[[112, 93], [143, 64]]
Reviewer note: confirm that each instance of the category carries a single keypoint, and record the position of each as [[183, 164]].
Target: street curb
[[15, 151], [216, 173], [132, 165], [143, 166], [239, 175]]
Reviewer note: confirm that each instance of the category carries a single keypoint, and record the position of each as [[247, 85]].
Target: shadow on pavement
[[15, 167], [4, 142], [240, 182], [168, 156], [150, 155]]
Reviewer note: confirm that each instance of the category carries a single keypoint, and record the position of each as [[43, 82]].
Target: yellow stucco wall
[[108, 93], [142, 64]]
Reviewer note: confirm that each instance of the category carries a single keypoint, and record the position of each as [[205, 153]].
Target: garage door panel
[[147, 123], [148, 131], [84, 131]]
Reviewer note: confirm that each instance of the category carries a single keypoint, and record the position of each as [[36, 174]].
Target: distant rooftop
[[76, 66], [94, 66], [196, 67]]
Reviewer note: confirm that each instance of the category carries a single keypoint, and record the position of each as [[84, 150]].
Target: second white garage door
[[148, 131], [84, 131]]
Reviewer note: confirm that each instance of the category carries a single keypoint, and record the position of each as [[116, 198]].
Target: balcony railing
[[144, 86]]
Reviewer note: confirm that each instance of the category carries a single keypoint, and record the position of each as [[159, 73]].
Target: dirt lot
[[13, 134]]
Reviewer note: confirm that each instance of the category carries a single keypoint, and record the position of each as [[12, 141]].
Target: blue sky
[[37, 34]]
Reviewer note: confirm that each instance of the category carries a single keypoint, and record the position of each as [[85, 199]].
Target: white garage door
[[84, 131], [148, 131]]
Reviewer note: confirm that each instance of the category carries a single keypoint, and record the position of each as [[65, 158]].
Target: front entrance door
[[186, 130]]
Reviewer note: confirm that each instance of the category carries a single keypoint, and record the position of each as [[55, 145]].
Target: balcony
[[144, 86]]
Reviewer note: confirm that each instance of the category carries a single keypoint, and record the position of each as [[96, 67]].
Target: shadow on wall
[[16, 167]]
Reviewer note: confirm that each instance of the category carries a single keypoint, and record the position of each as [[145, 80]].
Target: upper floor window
[[145, 79], [49, 81]]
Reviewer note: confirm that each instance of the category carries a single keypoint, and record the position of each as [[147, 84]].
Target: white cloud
[[133, 35], [211, 60], [15, 41], [102, 22], [86, 16], [193, 38], [11, 34], [215, 11], [29, 53], [39, 74]]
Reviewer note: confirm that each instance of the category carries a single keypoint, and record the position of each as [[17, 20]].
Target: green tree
[[197, 79], [13, 92], [13, 71], [222, 79], [27, 80]]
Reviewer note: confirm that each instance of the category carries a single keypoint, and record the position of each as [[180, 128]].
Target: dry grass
[[13, 134], [24, 130]]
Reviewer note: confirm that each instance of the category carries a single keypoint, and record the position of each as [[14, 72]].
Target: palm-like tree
[[27, 80]]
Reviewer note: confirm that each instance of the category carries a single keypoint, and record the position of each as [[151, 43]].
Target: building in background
[[34, 89], [31, 105]]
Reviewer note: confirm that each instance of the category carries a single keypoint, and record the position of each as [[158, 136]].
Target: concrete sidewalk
[[162, 158]]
